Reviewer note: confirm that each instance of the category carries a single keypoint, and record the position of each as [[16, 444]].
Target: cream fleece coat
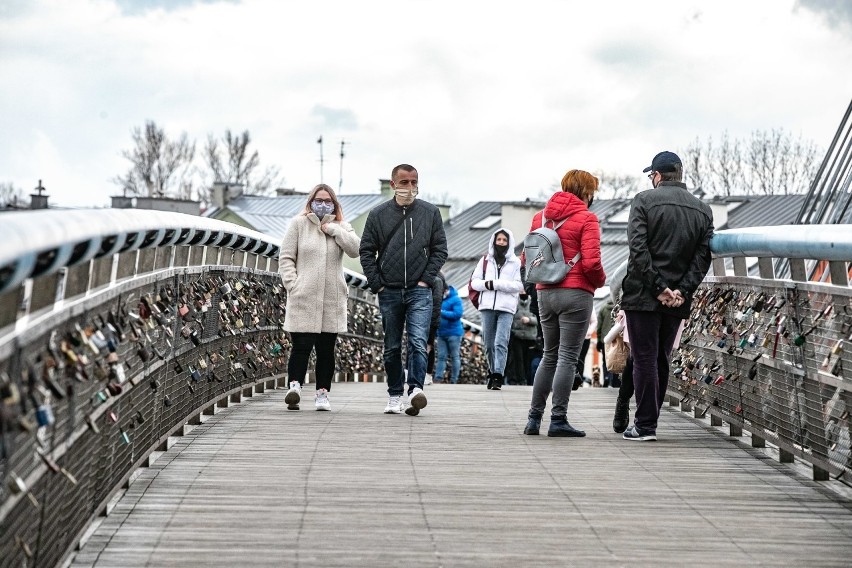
[[311, 268]]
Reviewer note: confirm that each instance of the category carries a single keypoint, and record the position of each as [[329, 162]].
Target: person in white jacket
[[311, 268], [497, 277]]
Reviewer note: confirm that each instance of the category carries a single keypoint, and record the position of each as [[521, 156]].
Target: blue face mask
[[321, 209]]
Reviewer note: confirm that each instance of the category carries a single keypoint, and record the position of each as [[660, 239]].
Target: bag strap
[[388, 240], [544, 221]]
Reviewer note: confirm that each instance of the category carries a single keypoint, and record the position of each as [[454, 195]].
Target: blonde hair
[[581, 183], [338, 209]]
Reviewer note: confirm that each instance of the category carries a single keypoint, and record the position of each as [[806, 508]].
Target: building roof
[[466, 243], [271, 215]]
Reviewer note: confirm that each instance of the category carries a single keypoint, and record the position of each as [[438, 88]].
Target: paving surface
[[460, 485]]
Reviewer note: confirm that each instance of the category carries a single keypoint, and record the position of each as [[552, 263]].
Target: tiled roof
[[763, 210], [463, 241], [271, 215], [466, 243]]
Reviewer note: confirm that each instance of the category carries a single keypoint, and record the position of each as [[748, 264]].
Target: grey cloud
[[142, 6], [628, 56], [836, 13], [339, 118]]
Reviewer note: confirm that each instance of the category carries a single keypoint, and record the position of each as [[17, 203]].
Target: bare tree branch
[[242, 165], [11, 195], [159, 167]]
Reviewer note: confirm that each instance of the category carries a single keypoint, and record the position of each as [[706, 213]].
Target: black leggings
[[625, 391], [303, 344]]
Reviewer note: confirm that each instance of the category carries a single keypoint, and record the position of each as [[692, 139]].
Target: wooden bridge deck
[[460, 485]]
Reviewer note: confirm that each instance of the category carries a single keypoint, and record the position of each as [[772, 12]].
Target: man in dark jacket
[[669, 232], [402, 250]]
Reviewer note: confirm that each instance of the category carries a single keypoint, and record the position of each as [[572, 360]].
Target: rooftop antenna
[[319, 141], [340, 183]]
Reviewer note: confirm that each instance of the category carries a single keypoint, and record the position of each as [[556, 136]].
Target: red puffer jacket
[[582, 232]]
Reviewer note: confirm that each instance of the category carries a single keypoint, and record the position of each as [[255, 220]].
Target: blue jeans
[[448, 347], [409, 309], [496, 329]]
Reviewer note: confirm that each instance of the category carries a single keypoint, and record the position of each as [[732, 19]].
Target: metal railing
[[770, 354], [117, 330]]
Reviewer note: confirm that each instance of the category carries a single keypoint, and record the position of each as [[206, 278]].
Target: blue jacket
[[451, 314]]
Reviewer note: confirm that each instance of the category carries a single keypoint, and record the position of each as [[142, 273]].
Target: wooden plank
[[460, 485]]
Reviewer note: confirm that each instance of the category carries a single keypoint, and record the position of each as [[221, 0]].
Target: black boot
[[498, 381], [578, 381], [533, 424], [622, 416], [559, 428], [490, 383]]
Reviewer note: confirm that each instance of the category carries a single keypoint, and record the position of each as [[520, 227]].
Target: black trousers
[[625, 390], [303, 344], [652, 337]]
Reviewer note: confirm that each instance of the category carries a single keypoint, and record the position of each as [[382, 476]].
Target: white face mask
[[405, 196]]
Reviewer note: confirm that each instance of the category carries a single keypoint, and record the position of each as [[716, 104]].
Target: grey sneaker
[[640, 435]]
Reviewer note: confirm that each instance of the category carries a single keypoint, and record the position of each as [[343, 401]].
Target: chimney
[[38, 201], [224, 192], [385, 188]]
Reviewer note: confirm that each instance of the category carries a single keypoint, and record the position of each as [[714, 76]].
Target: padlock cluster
[[772, 358]]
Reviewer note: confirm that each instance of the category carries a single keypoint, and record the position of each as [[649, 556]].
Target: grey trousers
[[565, 314]]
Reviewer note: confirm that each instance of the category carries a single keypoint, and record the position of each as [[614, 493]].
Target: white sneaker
[[293, 396], [322, 402], [428, 379], [393, 406], [417, 402]]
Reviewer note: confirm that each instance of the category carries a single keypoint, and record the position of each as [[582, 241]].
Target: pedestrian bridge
[[142, 423]]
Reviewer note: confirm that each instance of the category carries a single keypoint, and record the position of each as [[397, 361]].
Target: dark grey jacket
[[669, 233], [417, 250]]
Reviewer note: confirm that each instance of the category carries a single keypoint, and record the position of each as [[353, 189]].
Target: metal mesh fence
[[87, 400], [771, 357]]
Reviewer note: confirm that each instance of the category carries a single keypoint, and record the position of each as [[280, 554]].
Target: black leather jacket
[[669, 232], [417, 250]]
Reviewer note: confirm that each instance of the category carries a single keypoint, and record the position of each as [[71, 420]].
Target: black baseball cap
[[664, 162]]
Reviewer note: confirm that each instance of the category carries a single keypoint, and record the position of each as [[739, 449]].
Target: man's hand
[[671, 298], [422, 284]]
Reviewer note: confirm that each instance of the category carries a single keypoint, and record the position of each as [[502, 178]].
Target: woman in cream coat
[[311, 267]]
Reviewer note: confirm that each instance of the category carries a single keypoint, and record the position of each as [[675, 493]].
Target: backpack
[[544, 262], [473, 295]]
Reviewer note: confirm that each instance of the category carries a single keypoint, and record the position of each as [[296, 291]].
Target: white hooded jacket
[[507, 280]]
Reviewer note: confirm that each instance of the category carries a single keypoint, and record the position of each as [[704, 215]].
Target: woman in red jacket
[[566, 308]]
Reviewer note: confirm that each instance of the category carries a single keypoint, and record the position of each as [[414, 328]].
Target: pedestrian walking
[[403, 248], [497, 277], [450, 332], [311, 266]]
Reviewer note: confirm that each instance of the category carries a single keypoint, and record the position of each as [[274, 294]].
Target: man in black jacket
[[669, 232], [403, 248]]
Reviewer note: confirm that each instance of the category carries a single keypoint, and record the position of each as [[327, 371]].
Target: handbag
[[473, 295], [616, 353]]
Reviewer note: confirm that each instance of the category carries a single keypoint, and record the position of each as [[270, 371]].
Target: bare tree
[[618, 186], [766, 163], [11, 195], [696, 164], [457, 205], [232, 162], [160, 167], [726, 168]]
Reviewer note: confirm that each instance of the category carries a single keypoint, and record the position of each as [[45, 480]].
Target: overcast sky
[[488, 100]]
